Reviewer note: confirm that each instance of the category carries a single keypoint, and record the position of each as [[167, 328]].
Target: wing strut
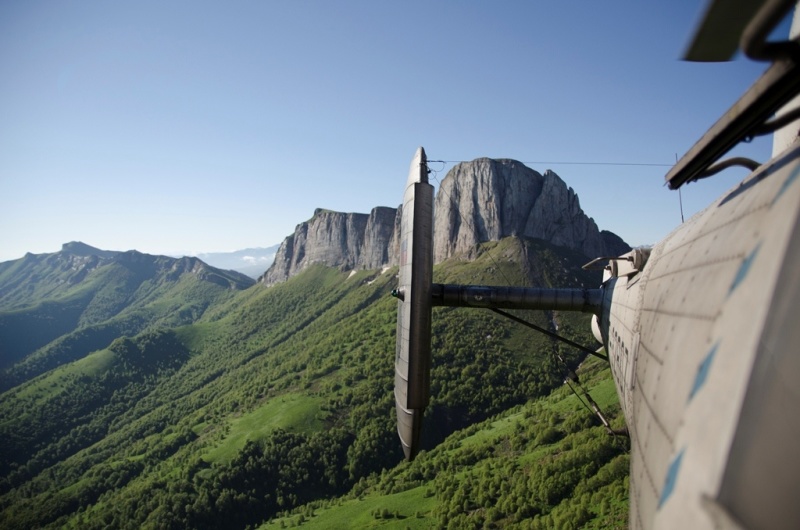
[[550, 334]]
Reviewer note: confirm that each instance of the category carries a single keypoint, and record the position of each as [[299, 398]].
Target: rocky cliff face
[[336, 239], [478, 201], [487, 200]]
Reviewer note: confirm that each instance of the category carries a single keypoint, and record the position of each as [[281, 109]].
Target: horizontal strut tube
[[449, 295]]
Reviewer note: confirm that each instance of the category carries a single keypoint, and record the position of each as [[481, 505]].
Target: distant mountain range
[[57, 307], [252, 262]]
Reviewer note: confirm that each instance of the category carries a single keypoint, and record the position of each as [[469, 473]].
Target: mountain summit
[[487, 200], [478, 201], [78, 248]]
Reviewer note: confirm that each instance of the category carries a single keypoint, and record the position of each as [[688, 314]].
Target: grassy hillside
[[545, 464], [281, 398]]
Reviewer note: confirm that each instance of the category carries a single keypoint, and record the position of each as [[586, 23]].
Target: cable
[[752, 165], [579, 397], [549, 333], [648, 164], [594, 410]]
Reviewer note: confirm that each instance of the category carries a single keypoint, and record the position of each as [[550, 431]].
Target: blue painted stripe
[[744, 268], [702, 371], [672, 478], [787, 183]]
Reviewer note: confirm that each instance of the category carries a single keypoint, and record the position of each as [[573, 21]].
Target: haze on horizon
[[194, 127]]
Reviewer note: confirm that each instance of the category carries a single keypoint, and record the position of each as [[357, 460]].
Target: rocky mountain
[[487, 200], [478, 201], [336, 239]]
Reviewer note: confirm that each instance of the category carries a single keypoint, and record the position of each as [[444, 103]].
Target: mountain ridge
[[478, 201], [60, 306]]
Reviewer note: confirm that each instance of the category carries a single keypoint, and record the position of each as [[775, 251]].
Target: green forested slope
[[275, 398], [545, 464], [56, 308]]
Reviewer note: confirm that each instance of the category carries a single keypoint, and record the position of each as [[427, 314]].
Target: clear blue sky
[[174, 127]]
